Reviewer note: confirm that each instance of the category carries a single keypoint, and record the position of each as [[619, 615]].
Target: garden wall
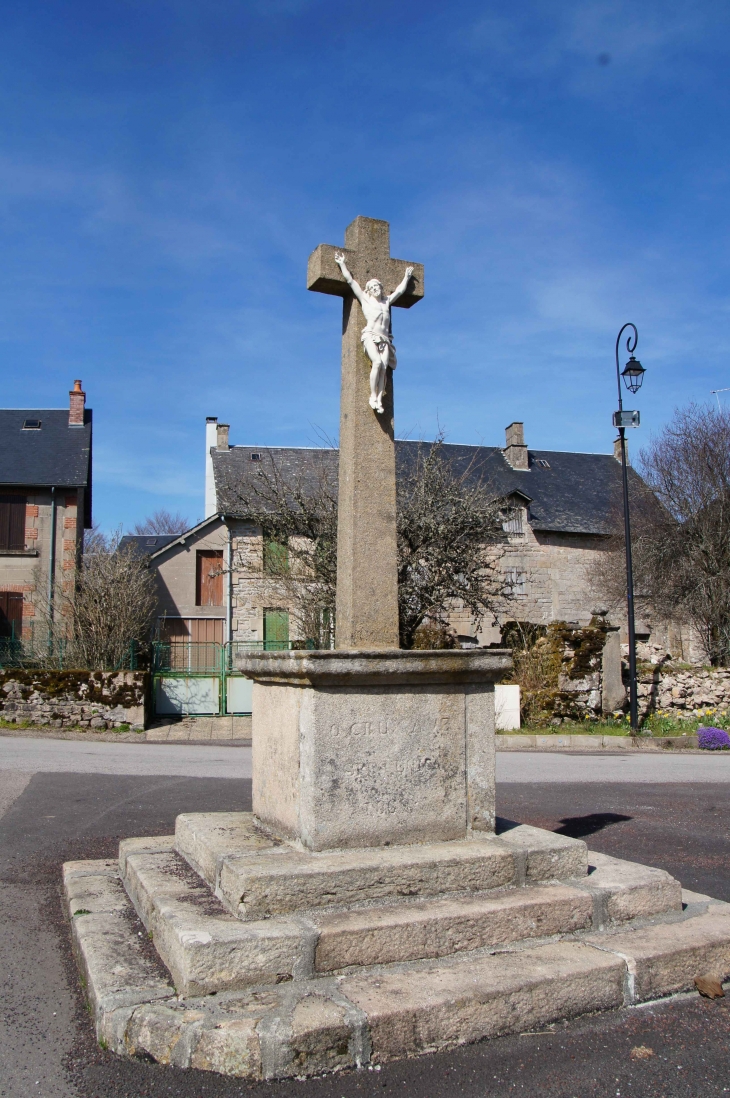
[[64, 699], [566, 672], [682, 692]]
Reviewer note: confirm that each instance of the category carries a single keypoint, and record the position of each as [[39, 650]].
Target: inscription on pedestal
[[387, 764], [375, 763]]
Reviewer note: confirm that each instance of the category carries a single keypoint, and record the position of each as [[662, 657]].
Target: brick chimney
[[617, 450], [221, 441], [515, 451], [76, 403]]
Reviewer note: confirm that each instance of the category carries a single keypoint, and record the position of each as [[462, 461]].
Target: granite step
[[207, 949], [256, 877], [308, 1026]]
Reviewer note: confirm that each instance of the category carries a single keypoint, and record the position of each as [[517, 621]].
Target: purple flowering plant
[[712, 739]]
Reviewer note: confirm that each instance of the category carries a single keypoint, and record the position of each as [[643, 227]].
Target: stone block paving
[[200, 729]]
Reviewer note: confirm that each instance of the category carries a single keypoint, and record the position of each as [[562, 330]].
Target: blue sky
[[166, 168]]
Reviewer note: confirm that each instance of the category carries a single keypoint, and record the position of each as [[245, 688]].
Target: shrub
[[712, 739]]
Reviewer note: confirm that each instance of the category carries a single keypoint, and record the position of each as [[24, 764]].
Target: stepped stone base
[[263, 960]]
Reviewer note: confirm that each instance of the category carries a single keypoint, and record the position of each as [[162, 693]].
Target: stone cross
[[367, 576]]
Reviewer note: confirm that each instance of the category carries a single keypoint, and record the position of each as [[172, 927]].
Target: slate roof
[[153, 544], [572, 494], [147, 544], [54, 455]]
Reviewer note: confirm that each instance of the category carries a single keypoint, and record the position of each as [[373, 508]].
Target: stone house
[[45, 506], [192, 571], [564, 507]]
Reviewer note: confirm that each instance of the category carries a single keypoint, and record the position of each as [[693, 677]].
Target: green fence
[[201, 677]]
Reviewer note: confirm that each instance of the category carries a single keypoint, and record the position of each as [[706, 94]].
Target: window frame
[[12, 527]]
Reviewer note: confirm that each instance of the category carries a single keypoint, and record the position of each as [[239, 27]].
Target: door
[[11, 614], [206, 635], [209, 577], [176, 633], [276, 630]]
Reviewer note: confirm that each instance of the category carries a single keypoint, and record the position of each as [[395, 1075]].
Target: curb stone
[[587, 742]]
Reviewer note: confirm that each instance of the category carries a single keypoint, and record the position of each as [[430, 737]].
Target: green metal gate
[[199, 678]]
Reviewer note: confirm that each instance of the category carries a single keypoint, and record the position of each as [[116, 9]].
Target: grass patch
[[122, 728], [659, 725], [610, 726]]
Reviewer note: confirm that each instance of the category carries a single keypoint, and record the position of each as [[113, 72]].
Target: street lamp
[[633, 375]]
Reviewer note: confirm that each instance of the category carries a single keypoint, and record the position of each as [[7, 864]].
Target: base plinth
[[360, 749], [274, 961]]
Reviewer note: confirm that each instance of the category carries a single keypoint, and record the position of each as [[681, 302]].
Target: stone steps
[[256, 878], [305, 1026], [208, 950]]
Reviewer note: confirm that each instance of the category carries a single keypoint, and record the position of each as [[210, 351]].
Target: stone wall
[[683, 692], [567, 673], [64, 699]]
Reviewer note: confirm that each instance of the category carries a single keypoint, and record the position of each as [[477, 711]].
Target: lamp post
[[633, 375]]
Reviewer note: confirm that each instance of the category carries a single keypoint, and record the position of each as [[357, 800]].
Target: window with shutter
[[12, 521]]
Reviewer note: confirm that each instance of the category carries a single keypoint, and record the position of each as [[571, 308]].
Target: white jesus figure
[[377, 335]]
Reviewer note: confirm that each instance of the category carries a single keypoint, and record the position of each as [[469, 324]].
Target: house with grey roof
[[45, 506], [192, 571], [564, 509]]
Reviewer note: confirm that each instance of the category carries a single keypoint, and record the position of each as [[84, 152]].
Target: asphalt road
[[46, 1042], [221, 761]]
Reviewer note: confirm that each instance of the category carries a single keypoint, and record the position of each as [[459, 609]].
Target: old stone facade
[[563, 505], [563, 509]]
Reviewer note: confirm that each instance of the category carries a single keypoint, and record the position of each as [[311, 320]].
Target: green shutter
[[276, 630], [276, 557]]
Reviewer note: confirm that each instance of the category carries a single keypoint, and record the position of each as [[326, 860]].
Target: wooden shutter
[[276, 630], [12, 522], [209, 577], [11, 614]]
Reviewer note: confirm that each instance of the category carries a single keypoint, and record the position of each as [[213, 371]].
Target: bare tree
[[298, 518], [681, 528], [450, 541], [450, 537], [110, 604], [163, 522], [95, 539]]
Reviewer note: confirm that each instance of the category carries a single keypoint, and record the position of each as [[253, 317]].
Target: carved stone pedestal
[[357, 749]]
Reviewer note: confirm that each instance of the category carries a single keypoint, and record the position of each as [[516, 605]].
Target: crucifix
[[369, 281]]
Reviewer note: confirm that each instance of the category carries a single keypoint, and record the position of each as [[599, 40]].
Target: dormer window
[[514, 523], [31, 425], [542, 462], [255, 457]]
